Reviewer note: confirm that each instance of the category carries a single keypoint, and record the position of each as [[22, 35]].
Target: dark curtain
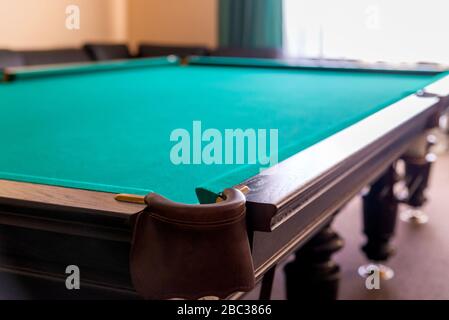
[[250, 23]]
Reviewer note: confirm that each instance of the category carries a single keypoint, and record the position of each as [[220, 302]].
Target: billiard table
[[89, 176]]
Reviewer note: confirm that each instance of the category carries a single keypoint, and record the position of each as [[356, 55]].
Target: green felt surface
[[108, 130]]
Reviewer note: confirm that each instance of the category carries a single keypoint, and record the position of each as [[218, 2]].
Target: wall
[[27, 24], [41, 23], [188, 22]]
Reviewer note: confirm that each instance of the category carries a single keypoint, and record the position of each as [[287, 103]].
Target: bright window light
[[376, 30]]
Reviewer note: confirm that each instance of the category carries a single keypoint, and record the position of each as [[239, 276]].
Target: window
[[376, 30]]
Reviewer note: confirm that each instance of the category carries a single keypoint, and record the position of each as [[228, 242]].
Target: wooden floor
[[422, 257]]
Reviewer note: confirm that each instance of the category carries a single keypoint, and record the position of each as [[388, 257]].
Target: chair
[[56, 56], [150, 50], [104, 52], [10, 59]]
